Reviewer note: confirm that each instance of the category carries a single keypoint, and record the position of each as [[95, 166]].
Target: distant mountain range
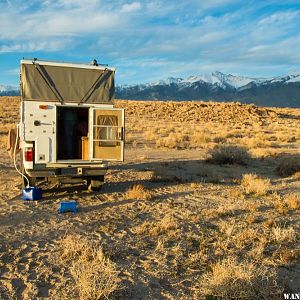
[[9, 90], [282, 91]]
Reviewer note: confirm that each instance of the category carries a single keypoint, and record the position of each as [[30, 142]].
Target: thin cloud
[[131, 7], [279, 18], [42, 24], [15, 71], [46, 46]]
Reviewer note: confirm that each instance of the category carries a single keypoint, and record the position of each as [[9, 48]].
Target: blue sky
[[151, 40]]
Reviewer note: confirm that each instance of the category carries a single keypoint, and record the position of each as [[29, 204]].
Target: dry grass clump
[[251, 207], [73, 246], [287, 256], [199, 138], [293, 201], [230, 279], [281, 207], [258, 250], [289, 166], [95, 275], [250, 219], [226, 227], [164, 226], [244, 237], [296, 175], [167, 225], [263, 152], [163, 174], [281, 234], [286, 137], [254, 184], [236, 194], [151, 134], [139, 192], [268, 223], [258, 141], [129, 138], [174, 141], [96, 278], [229, 154]]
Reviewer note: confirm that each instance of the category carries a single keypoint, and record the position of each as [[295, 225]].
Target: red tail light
[[28, 154], [43, 106]]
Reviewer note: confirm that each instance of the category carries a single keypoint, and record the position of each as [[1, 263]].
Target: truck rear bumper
[[67, 172]]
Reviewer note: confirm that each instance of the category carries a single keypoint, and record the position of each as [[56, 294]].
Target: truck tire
[[95, 183]]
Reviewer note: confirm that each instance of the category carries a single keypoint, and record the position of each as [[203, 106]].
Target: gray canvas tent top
[[66, 82]]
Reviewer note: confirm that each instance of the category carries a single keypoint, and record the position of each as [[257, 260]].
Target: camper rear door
[[107, 134]]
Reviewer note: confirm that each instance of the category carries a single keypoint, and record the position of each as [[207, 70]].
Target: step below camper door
[[107, 134]]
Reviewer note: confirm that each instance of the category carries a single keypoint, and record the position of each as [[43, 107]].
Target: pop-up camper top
[[68, 126]]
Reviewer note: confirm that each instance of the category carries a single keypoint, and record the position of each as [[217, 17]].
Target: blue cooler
[[32, 193], [68, 206]]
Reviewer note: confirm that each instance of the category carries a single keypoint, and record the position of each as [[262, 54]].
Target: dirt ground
[[201, 232]]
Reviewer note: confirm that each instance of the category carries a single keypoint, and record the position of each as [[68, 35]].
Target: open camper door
[[107, 134]]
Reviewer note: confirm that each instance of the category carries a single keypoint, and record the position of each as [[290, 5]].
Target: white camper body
[[97, 129]]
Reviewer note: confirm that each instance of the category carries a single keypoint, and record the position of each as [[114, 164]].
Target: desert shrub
[[229, 154], [230, 279], [254, 184], [289, 166], [138, 191], [95, 275]]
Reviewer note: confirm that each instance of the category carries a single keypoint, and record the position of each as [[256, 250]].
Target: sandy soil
[[198, 214]]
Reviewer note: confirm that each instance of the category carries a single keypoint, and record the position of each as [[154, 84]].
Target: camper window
[[106, 130]]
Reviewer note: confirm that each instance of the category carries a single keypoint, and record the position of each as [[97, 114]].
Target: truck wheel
[[95, 183]]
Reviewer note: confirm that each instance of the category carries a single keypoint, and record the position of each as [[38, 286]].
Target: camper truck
[[68, 124]]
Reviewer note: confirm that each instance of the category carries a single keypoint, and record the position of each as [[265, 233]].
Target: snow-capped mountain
[[222, 80], [276, 91], [9, 90]]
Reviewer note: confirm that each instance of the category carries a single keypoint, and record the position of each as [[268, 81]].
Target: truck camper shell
[[66, 82], [68, 120]]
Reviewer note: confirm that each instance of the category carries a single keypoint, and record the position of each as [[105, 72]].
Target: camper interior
[[72, 132]]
